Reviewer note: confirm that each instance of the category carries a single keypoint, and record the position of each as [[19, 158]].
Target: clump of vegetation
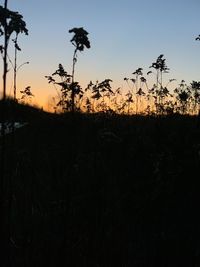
[[71, 92], [26, 94], [141, 98]]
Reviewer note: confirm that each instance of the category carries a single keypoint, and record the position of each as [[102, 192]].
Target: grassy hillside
[[20, 111], [99, 190]]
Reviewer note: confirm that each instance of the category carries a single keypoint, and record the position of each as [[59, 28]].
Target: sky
[[124, 35]]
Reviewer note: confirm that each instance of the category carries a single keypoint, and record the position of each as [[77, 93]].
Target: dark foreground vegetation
[[102, 190]]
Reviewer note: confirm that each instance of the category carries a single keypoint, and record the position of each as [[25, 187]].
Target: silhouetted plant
[[151, 100], [169, 107], [197, 38], [160, 91], [118, 101], [67, 86], [195, 88], [136, 81], [10, 22], [17, 48], [100, 93], [64, 83], [106, 91], [150, 97], [135, 87], [183, 95], [128, 101], [141, 93], [71, 91], [26, 95], [88, 105], [80, 41]]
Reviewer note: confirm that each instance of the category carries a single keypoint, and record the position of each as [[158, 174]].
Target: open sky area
[[124, 35]]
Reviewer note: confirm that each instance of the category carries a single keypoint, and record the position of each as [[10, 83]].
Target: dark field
[[99, 190]]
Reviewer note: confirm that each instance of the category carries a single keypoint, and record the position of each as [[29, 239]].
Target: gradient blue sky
[[124, 35]]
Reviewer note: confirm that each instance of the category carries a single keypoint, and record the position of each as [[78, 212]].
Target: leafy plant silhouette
[[158, 90], [26, 94], [15, 66], [70, 89], [135, 89], [197, 38], [64, 83], [138, 73], [195, 88], [183, 95], [80, 41], [99, 92]]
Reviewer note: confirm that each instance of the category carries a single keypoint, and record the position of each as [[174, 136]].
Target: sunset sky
[[124, 35]]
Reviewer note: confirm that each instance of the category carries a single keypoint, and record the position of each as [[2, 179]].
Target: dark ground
[[101, 191]]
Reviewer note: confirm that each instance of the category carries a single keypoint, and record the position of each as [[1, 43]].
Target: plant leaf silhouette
[[80, 39]]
